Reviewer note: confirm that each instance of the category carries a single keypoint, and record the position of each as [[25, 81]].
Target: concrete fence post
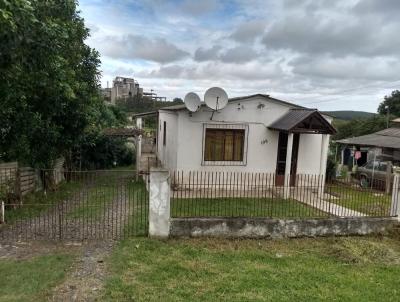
[[159, 208], [395, 207], [3, 214]]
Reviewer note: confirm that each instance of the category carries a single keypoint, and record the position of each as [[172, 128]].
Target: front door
[[281, 159]]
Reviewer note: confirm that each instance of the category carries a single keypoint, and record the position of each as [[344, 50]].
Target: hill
[[349, 115]]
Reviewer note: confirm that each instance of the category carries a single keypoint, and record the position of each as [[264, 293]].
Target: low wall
[[278, 228]]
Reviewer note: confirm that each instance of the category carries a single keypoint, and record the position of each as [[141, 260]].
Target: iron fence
[[107, 204], [235, 194]]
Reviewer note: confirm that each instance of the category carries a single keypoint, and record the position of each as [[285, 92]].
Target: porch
[[290, 127]]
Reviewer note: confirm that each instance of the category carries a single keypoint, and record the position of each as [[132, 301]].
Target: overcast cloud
[[333, 55]]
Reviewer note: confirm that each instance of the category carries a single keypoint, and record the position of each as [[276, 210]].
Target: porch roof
[[303, 121], [387, 138]]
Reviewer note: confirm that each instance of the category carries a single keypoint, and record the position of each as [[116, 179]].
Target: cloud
[[319, 27], [377, 6], [140, 47], [294, 49], [239, 54], [217, 71], [207, 54], [199, 7], [249, 31], [349, 67]]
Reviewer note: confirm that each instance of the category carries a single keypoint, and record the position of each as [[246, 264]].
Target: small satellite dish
[[216, 98], [192, 101]]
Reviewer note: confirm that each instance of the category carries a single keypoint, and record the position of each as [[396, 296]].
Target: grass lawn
[[240, 207], [138, 221], [33, 279], [340, 269], [365, 201]]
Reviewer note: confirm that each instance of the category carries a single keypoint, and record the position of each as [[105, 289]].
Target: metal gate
[[75, 205]]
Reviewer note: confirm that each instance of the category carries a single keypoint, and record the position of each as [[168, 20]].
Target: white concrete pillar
[[139, 122], [342, 156], [323, 163], [159, 207], [289, 149], [138, 146], [395, 206]]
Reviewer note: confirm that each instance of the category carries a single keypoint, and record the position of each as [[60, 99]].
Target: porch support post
[[322, 165], [138, 147], [286, 188]]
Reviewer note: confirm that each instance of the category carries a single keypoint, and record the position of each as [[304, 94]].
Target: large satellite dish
[[192, 101], [216, 98]]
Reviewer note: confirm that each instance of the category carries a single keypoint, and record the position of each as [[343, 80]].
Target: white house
[[255, 133]]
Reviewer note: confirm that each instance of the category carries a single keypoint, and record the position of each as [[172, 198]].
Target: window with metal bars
[[224, 144]]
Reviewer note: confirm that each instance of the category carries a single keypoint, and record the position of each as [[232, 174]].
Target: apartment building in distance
[[122, 88]]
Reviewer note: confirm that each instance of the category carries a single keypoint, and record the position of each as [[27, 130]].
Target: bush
[[330, 168], [105, 153]]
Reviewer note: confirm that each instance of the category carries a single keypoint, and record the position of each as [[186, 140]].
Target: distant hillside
[[350, 115]]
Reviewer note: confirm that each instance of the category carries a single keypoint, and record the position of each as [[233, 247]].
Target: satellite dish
[[192, 101], [216, 98]]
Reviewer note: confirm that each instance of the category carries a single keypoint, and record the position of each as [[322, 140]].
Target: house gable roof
[[241, 98], [303, 121]]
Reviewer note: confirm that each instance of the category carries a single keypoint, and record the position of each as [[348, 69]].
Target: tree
[[359, 127], [49, 81], [177, 100], [392, 103]]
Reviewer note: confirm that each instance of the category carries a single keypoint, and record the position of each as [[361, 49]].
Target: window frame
[[242, 127]]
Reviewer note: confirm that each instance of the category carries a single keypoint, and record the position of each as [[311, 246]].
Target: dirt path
[[85, 280]]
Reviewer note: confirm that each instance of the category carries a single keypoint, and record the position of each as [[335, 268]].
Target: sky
[[330, 55]]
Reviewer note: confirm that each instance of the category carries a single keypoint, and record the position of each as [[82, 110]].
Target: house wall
[[186, 152], [262, 142], [309, 158], [168, 154]]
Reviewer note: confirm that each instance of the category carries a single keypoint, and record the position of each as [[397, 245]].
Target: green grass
[[94, 201], [362, 200], [101, 195], [35, 203], [242, 207], [32, 280], [326, 269], [138, 222]]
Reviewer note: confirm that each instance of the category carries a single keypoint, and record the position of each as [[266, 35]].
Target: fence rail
[[235, 194]]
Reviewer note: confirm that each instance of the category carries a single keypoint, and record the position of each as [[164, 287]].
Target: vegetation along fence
[[225, 194], [76, 205]]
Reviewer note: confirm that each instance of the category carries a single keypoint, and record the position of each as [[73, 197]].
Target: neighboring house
[[255, 133], [383, 144]]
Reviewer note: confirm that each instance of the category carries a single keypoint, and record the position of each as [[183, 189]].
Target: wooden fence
[[23, 180], [18, 180]]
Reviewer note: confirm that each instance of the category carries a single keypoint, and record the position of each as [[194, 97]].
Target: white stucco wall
[[309, 158], [168, 154], [185, 152], [262, 142]]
